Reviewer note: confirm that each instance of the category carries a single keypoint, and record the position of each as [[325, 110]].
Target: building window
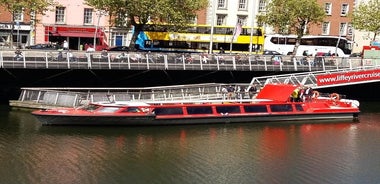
[[349, 29], [242, 4], [326, 28], [60, 15], [221, 19], [242, 20], [18, 16], [343, 29], [344, 11], [262, 5], [87, 17], [222, 4], [328, 7]]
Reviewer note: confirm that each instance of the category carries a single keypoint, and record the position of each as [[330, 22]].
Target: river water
[[307, 152]]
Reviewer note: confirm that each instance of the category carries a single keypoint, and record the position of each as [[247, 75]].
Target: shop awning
[[76, 34]]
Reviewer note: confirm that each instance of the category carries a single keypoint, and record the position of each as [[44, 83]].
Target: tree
[[293, 16], [366, 17], [28, 7], [155, 12]]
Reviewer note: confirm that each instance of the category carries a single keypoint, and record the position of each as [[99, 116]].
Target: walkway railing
[[174, 61]]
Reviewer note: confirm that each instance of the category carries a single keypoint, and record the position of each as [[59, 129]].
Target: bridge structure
[[72, 97], [173, 61]]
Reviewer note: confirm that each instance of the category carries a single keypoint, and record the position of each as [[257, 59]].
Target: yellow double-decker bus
[[197, 38]]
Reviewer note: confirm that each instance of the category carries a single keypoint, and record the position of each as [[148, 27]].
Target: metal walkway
[[72, 97], [311, 78]]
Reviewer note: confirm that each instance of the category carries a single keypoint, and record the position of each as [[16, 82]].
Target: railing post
[[46, 59], [183, 62], [68, 60], [166, 62], [1, 60], [109, 61], [233, 63], [23, 57], [265, 64], [249, 62], [200, 62], [350, 63], [129, 61], [88, 55], [147, 61], [217, 62]]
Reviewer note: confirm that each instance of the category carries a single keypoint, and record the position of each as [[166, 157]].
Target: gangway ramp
[[324, 79]]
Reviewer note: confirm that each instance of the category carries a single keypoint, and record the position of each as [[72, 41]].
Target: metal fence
[[172, 61]]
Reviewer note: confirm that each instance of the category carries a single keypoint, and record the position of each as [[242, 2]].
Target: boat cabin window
[[109, 109], [91, 107], [132, 109], [255, 108], [299, 107], [199, 110], [227, 109], [168, 111], [281, 108]]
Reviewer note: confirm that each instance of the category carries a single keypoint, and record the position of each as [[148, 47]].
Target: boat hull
[[153, 120]]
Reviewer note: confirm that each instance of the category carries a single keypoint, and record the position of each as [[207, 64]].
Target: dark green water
[[341, 152]]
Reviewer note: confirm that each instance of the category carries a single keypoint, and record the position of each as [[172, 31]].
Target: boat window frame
[[281, 107], [195, 110], [126, 110], [255, 108], [235, 109], [169, 111], [298, 107], [108, 109]]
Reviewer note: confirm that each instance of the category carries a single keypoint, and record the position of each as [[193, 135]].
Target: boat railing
[[72, 97]]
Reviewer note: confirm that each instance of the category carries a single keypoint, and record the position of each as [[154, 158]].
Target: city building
[[230, 13], [362, 38], [21, 28], [80, 25]]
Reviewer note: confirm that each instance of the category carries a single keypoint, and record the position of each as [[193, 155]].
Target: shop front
[[78, 37], [21, 35]]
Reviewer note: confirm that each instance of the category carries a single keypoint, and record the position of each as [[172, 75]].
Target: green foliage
[[292, 16], [366, 17], [140, 12], [29, 6]]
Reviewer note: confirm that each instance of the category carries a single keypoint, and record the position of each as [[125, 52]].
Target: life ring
[[315, 94], [335, 97]]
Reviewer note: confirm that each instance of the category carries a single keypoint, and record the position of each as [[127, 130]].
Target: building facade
[[230, 12], [21, 28], [71, 20]]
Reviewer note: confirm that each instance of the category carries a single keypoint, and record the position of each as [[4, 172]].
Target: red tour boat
[[272, 103]]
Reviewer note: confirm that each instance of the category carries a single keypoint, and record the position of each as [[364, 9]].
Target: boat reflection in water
[[259, 152], [272, 104]]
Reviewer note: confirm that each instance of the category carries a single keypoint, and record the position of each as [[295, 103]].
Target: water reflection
[[340, 152]]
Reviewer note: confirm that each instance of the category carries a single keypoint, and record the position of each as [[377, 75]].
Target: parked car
[[119, 48], [358, 54], [42, 46], [271, 52]]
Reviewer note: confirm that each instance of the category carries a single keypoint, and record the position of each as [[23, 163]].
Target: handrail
[[173, 61]]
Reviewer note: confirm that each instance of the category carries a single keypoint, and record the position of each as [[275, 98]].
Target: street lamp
[[212, 25], [99, 13]]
